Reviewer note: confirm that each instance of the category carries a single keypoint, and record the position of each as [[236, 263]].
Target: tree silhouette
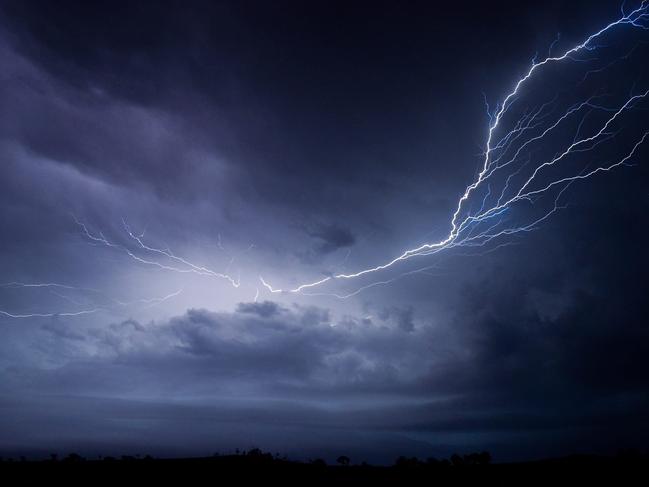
[[74, 458], [343, 460], [457, 460], [404, 462]]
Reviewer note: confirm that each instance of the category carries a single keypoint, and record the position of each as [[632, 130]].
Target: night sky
[[160, 159]]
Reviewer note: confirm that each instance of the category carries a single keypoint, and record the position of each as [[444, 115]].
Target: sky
[[205, 208]]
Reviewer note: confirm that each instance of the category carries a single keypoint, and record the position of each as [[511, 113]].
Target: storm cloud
[[284, 142]]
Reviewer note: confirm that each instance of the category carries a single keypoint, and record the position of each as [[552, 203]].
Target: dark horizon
[[231, 225], [259, 466]]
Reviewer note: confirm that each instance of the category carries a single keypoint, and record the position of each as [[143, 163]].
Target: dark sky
[[301, 140]]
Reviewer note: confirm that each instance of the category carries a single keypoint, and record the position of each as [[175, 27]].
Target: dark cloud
[[402, 316], [265, 309], [331, 238]]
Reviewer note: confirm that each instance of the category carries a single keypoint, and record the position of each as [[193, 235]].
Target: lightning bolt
[[467, 228], [509, 176], [181, 265], [147, 302]]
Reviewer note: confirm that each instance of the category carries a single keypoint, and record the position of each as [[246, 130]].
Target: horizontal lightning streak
[[96, 309]]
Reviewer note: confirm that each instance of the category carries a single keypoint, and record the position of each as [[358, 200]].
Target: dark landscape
[[628, 467]]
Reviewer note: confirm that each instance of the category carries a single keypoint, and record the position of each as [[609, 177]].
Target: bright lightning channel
[[462, 227]]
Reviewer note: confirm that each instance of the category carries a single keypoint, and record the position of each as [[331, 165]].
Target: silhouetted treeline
[[255, 464]]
